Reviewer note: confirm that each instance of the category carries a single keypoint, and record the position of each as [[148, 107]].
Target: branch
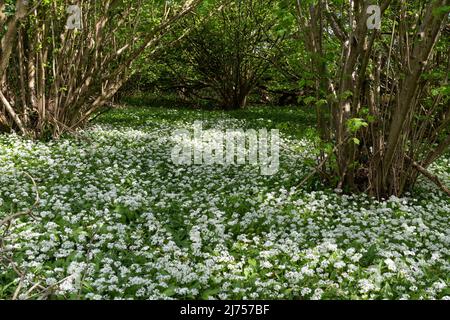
[[4, 257], [12, 113], [28, 212], [433, 178]]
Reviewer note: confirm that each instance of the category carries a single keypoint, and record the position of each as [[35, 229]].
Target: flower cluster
[[118, 220]]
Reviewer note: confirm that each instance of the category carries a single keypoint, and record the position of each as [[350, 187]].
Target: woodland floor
[[118, 220]]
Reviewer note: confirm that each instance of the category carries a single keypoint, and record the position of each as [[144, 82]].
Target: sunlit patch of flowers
[[116, 219]]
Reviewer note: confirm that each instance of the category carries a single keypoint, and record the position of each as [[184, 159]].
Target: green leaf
[[210, 293], [346, 94], [309, 100], [321, 102], [355, 124], [170, 291]]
